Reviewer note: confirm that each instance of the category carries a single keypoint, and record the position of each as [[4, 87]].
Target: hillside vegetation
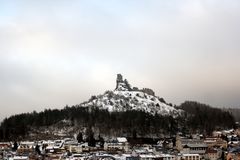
[[197, 117], [126, 111]]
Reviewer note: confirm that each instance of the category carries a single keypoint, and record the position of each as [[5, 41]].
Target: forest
[[204, 118], [196, 117]]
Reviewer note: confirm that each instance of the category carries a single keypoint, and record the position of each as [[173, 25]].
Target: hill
[[125, 98], [235, 112], [204, 118], [124, 111]]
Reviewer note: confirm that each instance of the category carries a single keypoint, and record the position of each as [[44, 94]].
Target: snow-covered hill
[[124, 98]]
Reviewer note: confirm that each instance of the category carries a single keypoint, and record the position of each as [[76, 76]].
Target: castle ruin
[[123, 85]]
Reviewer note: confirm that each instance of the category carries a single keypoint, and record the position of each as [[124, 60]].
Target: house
[[4, 146], [216, 133], [191, 146], [166, 157], [58, 143], [215, 142], [213, 154], [228, 132], [20, 158], [120, 144], [121, 140], [80, 148], [69, 142], [194, 149], [185, 149], [237, 131], [147, 157], [48, 143], [233, 156], [132, 156], [188, 157], [26, 148]]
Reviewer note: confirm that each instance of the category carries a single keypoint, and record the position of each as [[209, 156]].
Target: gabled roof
[[212, 151], [197, 145], [122, 139], [185, 146]]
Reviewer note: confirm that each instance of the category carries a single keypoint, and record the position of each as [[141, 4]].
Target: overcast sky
[[58, 52]]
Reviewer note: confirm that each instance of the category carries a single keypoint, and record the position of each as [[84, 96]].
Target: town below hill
[[221, 145], [124, 123]]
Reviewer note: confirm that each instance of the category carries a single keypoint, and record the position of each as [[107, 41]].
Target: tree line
[[204, 118], [129, 123]]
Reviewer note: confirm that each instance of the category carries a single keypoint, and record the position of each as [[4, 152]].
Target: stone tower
[[122, 85], [119, 80]]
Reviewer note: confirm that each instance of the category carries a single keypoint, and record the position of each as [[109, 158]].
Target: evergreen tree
[[90, 138], [80, 137], [37, 149], [15, 146], [101, 141]]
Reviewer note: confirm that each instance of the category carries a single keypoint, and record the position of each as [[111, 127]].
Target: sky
[[55, 53]]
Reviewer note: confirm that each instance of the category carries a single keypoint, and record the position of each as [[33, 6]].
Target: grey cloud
[[58, 53]]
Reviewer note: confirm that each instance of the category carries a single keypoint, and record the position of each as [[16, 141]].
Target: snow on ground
[[123, 100]]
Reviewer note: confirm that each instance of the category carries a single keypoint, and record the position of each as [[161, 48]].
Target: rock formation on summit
[[125, 97], [122, 85]]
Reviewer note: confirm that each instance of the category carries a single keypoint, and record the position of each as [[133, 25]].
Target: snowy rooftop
[[122, 139]]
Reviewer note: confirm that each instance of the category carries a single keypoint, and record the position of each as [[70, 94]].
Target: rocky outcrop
[[122, 85], [124, 98]]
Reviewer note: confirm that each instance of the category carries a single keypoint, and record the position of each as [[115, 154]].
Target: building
[[188, 157], [213, 154], [191, 146], [166, 157], [120, 144], [4, 146], [216, 142], [233, 156]]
